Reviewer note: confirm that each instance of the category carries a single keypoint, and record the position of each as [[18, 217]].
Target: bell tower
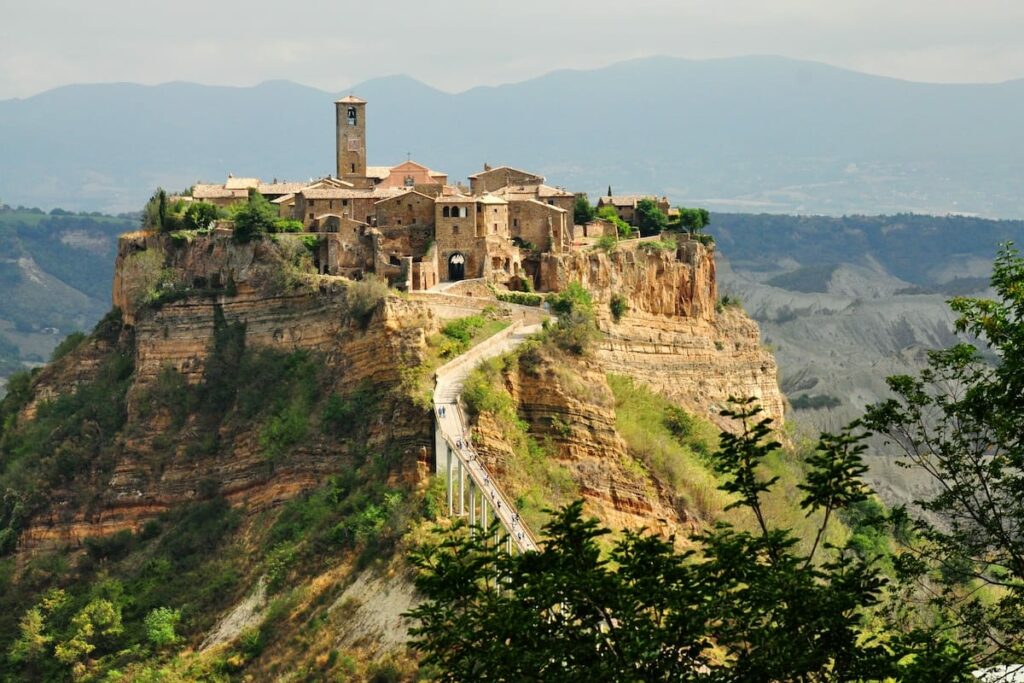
[[351, 133]]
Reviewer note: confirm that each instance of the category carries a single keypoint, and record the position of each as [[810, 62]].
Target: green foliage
[[254, 218], [481, 394], [664, 244], [71, 435], [732, 608], [521, 298], [606, 243], [349, 415], [69, 344], [693, 221], [201, 215], [461, 331], [815, 402], [727, 301], [650, 218], [960, 422], [287, 225], [363, 297], [575, 329], [619, 306], [582, 212], [160, 624], [609, 214]]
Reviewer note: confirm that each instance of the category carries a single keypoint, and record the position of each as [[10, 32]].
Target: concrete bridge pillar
[[462, 490]]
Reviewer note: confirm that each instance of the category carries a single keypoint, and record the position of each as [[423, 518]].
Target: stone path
[[457, 459]]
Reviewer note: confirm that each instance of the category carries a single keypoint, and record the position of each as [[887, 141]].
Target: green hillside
[[55, 274]]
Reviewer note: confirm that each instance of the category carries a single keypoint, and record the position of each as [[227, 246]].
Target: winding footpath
[[470, 488]]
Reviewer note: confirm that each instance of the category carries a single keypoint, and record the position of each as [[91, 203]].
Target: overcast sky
[[456, 44]]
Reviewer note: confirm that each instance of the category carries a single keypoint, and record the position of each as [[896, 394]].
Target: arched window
[[446, 212], [351, 116], [463, 212]]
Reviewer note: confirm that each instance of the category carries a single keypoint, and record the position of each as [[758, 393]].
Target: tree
[[200, 215], [254, 218], [738, 606], [160, 624], [575, 329], [650, 218], [960, 421], [609, 214], [693, 221], [95, 625], [583, 212]]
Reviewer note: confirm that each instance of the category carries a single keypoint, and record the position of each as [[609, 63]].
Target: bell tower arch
[[351, 137]]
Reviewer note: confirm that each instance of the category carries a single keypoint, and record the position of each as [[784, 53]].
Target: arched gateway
[[456, 267]]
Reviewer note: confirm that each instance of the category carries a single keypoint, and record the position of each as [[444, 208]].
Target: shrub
[[70, 343], [343, 416], [363, 296], [160, 624], [286, 225], [521, 298], [619, 306], [727, 301], [606, 243], [664, 244], [575, 329], [609, 214], [815, 402], [201, 215]]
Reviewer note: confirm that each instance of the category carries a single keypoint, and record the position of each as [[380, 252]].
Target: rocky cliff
[[675, 335], [161, 457]]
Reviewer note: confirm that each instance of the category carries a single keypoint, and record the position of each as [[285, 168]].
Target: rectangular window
[[344, 202], [455, 230], [515, 222]]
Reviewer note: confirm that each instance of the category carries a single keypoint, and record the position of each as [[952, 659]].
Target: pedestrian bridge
[[471, 491]]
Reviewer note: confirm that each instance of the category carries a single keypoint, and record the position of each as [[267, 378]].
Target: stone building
[[408, 224], [625, 205], [491, 179]]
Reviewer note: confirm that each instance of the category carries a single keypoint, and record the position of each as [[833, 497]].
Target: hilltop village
[[407, 223]]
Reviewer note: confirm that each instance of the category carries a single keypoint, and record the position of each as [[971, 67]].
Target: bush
[[201, 215], [583, 212], [815, 402], [363, 296], [70, 343], [521, 298], [609, 214], [575, 329], [664, 244], [160, 624], [727, 301], [285, 225], [606, 243], [619, 306]]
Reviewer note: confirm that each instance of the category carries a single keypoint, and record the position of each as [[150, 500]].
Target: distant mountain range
[[744, 134]]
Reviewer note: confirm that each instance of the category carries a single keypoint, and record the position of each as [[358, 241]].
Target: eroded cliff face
[[159, 461], [672, 337], [570, 410]]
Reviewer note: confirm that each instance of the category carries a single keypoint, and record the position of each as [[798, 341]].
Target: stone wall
[[408, 209]]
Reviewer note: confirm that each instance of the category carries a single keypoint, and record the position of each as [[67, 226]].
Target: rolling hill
[[743, 134]]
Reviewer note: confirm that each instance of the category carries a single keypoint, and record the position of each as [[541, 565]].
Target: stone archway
[[456, 267]]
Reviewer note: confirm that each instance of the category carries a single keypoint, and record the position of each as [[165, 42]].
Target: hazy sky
[[456, 44]]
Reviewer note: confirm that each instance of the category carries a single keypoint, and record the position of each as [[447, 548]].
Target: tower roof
[[350, 99]]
